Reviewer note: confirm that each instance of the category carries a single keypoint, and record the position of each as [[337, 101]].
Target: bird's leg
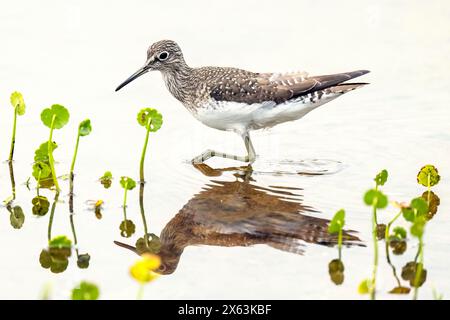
[[250, 157]]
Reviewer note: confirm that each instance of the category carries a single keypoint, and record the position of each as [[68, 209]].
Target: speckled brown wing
[[262, 87]]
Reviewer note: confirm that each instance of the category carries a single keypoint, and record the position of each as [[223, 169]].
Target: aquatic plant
[[336, 266], [56, 256], [428, 177], [143, 271], [54, 117], [151, 120], [19, 109], [84, 129], [106, 179], [127, 227], [85, 291], [377, 200]]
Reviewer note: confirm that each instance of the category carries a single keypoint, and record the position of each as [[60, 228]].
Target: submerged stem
[[340, 243], [72, 226], [50, 155], [419, 270], [13, 181], [13, 138], [52, 213], [387, 241]]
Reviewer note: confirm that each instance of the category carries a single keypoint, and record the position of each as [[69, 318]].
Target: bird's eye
[[163, 56]]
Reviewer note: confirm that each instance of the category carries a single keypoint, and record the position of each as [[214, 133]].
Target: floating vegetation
[[336, 266], [55, 117], [19, 109], [127, 227], [40, 206], [106, 179], [84, 129], [56, 256], [85, 291], [377, 200]]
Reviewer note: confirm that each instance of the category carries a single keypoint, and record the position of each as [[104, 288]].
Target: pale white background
[[76, 52]]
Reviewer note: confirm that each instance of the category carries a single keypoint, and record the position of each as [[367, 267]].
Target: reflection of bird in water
[[242, 214]]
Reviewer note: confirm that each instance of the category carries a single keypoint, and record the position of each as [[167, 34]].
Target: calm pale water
[[76, 52]]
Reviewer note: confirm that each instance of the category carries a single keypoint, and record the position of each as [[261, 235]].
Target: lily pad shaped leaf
[[60, 242], [18, 102], [41, 170], [428, 172], [85, 291], [152, 116], [60, 113], [127, 183], [41, 154], [17, 217], [85, 128], [376, 198]]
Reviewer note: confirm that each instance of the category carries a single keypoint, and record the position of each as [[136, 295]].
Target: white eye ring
[[163, 56]]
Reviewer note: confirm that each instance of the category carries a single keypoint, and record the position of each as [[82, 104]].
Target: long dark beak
[[135, 75]]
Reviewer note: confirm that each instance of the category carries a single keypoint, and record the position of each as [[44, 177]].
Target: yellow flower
[[143, 270]]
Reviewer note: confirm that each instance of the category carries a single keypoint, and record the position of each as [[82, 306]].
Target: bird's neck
[[178, 81]]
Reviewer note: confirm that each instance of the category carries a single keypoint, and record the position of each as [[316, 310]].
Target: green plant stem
[[75, 154], [429, 189], [387, 241], [52, 213], [340, 243], [419, 270], [13, 138], [50, 155], [13, 181], [72, 226], [125, 197], [144, 150], [141, 205], [38, 182], [375, 248]]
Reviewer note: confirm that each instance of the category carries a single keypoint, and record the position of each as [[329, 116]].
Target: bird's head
[[164, 55]]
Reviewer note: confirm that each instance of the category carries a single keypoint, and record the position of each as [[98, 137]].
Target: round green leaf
[[152, 116], [376, 198], [85, 128], [85, 291], [381, 178], [418, 226], [41, 154], [399, 233], [428, 172], [420, 205], [338, 221], [18, 102], [41, 170], [153, 245], [60, 113], [127, 228], [127, 183], [40, 205], [17, 217], [106, 179], [60, 242]]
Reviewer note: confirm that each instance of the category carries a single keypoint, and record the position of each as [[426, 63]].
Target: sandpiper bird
[[238, 100]]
